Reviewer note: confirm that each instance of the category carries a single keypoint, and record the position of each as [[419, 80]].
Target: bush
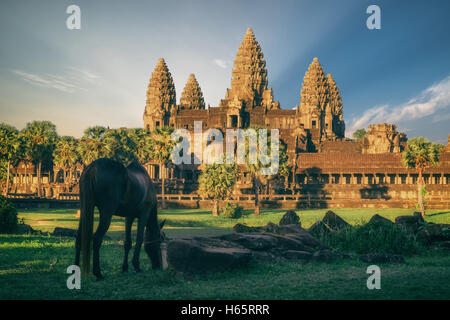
[[373, 238], [8, 216], [233, 211]]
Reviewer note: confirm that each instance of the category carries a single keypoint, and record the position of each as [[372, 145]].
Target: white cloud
[[69, 82], [429, 101], [86, 75], [221, 63]]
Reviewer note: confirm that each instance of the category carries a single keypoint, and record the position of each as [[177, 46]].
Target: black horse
[[122, 191]]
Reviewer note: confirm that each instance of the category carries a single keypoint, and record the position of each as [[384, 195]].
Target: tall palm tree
[[143, 142], [65, 154], [9, 145], [92, 146], [120, 145], [259, 179], [24, 155], [419, 155], [40, 139], [161, 151]]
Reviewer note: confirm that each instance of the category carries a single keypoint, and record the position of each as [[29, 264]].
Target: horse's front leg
[[127, 243], [103, 226], [137, 248]]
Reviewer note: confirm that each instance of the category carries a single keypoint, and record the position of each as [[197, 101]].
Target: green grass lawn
[[185, 222], [34, 267]]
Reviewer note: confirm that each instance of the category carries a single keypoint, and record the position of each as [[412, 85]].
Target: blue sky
[[98, 75]]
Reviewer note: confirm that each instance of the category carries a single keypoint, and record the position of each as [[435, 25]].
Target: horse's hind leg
[[78, 245], [103, 226], [127, 243], [137, 248]]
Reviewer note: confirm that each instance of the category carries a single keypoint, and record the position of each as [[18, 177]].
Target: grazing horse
[[122, 191]]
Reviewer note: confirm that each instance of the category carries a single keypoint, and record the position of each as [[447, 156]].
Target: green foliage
[[40, 139], [161, 145], [231, 210], [8, 216], [217, 180], [264, 160], [421, 153], [9, 141], [9, 150], [143, 144], [359, 134], [373, 238], [120, 145], [92, 145], [3, 170], [65, 154]]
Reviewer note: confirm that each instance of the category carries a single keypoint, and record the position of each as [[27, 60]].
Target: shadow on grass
[[180, 212], [437, 214]]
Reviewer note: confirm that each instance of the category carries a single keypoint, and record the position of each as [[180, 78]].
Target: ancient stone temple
[[327, 168], [250, 102]]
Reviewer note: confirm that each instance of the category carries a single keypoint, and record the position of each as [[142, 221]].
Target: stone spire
[[334, 96], [192, 96], [314, 88], [161, 98], [249, 75], [161, 90]]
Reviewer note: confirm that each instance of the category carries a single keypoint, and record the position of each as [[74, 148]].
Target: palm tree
[[92, 146], [259, 177], [24, 155], [40, 139], [65, 154], [143, 143], [120, 145], [419, 155], [161, 151], [9, 145]]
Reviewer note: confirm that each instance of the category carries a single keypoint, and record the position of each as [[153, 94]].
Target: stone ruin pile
[[288, 241]]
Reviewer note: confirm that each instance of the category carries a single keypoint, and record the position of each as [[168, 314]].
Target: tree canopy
[[359, 134]]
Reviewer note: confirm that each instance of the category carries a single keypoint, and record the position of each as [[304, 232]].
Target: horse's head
[[153, 238]]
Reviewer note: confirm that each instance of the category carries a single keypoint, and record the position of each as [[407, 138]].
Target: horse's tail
[[87, 218]]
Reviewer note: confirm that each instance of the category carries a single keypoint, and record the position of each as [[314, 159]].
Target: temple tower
[[313, 97], [335, 126], [249, 83], [321, 105], [161, 97], [192, 96]]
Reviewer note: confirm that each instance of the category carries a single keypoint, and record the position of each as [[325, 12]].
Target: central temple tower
[[249, 84]]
